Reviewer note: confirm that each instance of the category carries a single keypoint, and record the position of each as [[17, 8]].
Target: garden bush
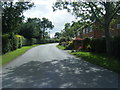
[[14, 42], [69, 46], [19, 40], [30, 41], [116, 46], [24, 41], [9, 43], [6, 45], [62, 39], [86, 43], [98, 45]]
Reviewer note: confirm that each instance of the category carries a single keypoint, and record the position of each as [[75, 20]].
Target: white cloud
[[43, 8]]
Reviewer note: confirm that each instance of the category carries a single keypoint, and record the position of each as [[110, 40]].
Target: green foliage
[[57, 35], [116, 46], [28, 30], [93, 11], [9, 43], [102, 60], [86, 42], [30, 41], [14, 42], [61, 47], [12, 15], [20, 40], [45, 24], [98, 45], [63, 39], [14, 54], [6, 45], [69, 46]]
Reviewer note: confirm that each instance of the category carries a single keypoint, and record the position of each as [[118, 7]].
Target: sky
[[43, 8]]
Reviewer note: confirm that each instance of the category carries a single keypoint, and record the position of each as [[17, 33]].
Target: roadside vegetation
[[6, 58], [102, 60], [61, 47], [88, 47], [18, 32]]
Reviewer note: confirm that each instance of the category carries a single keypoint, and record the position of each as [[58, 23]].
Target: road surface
[[46, 66]]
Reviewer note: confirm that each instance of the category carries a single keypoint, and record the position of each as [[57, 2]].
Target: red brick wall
[[99, 33]]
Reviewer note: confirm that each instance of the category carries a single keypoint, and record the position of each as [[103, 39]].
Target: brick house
[[95, 30]]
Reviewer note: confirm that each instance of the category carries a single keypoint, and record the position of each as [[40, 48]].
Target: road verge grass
[[6, 58], [61, 47], [102, 60]]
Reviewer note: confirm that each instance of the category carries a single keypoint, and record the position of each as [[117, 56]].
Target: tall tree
[[57, 35], [101, 11], [46, 24], [12, 15]]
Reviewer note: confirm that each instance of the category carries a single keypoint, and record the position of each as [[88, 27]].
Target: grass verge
[[6, 58], [102, 60], [61, 47]]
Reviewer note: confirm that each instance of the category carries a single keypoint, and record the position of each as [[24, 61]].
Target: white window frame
[[87, 30], [83, 31], [118, 26], [91, 28]]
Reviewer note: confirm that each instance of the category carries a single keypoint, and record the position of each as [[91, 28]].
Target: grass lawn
[[61, 47], [102, 60], [14, 54]]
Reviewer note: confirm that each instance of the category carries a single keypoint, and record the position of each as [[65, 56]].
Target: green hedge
[[98, 45], [19, 40], [11, 42], [86, 43], [116, 46], [6, 45]]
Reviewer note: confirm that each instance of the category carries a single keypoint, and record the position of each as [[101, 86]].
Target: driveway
[[46, 66]]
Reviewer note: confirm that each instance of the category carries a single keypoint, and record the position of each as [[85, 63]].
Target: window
[[91, 28], [86, 30], [118, 26], [83, 31]]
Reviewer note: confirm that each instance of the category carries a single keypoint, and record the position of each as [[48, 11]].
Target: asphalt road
[[46, 66]]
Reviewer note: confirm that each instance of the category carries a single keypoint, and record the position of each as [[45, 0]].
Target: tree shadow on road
[[67, 73]]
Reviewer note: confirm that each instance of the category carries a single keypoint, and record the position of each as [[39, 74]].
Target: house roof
[[78, 39]]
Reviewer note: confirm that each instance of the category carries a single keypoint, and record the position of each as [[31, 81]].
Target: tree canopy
[[101, 11], [12, 15]]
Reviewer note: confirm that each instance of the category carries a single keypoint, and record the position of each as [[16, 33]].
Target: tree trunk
[[108, 36]]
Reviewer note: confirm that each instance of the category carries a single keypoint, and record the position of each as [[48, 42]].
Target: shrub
[[6, 45], [9, 43], [98, 45], [116, 46], [69, 46], [33, 41], [30, 41], [86, 43], [62, 39], [20, 40], [14, 42], [24, 41]]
